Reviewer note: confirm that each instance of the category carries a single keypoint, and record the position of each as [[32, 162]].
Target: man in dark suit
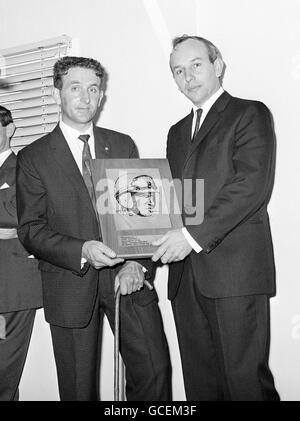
[[58, 224], [222, 268], [20, 281]]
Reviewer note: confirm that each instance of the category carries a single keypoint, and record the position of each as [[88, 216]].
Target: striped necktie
[[86, 166]]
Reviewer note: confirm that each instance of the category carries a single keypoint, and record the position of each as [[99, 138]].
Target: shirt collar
[[4, 155], [71, 133], [210, 102]]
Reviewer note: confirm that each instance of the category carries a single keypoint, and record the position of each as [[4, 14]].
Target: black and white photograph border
[[260, 45]]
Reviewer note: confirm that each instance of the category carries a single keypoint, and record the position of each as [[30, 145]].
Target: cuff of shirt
[[143, 267], [195, 246], [83, 261]]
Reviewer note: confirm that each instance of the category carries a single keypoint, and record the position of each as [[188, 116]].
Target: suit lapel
[[210, 121], [179, 144], [185, 134], [63, 156], [102, 144]]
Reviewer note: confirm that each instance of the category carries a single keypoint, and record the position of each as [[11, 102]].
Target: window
[[26, 85]]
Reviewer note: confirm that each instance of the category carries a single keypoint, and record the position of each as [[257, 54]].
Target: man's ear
[[56, 95], [218, 65], [100, 98], [10, 129]]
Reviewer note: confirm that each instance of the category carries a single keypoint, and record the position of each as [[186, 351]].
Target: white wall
[[260, 42]]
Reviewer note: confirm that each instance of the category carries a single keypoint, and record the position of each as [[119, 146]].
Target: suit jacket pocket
[[23, 254], [145, 296], [17, 250], [24, 259], [253, 221]]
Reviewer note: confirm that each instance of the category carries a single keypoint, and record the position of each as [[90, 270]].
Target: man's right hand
[[99, 255]]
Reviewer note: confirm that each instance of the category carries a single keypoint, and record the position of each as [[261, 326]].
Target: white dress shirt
[[205, 109], [4, 155], [76, 145]]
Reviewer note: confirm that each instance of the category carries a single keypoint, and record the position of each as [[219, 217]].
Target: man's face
[[194, 74], [145, 203], [79, 97]]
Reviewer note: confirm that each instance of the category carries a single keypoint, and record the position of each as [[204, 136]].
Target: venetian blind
[[26, 85]]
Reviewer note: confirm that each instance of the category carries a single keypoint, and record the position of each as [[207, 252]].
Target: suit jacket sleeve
[[249, 188], [34, 231]]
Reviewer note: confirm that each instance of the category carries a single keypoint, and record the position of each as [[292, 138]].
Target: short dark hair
[[5, 116], [63, 65], [213, 51]]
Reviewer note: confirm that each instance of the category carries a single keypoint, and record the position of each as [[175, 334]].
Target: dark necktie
[[197, 125], [86, 166]]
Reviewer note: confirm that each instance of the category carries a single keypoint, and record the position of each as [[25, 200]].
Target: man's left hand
[[173, 247], [130, 278]]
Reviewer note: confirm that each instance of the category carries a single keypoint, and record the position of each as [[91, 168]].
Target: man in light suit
[[58, 223], [222, 270], [20, 281]]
